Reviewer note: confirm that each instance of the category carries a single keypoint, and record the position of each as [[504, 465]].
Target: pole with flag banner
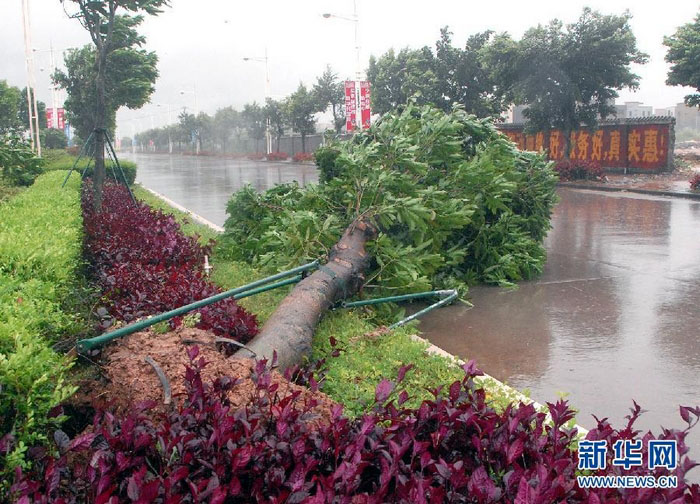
[[365, 110], [350, 106]]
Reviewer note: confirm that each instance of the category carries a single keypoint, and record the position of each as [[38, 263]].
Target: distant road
[[205, 184]]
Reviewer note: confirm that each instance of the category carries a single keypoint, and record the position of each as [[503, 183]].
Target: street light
[[170, 121], [268, 136], [196, 111], [356, 20]]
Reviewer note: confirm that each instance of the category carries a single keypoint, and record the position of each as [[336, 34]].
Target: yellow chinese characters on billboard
[[643, 147]]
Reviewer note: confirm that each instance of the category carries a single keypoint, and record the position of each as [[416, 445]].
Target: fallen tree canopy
[[452, 201]]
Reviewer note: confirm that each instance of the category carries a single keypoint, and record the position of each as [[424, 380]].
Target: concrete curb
[[671, 194], [432, 349], [507, 390], [193, 215]]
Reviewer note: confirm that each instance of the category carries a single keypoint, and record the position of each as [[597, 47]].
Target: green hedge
[[61, 160], [40, 252]]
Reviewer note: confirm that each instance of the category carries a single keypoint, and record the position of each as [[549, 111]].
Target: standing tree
[[114, 37], [301, 107], [569, 77], [254, 120], [329, 93], [445, 76], [275, 113], [397, 77], [225, 121], [684, 56], [10, 98]]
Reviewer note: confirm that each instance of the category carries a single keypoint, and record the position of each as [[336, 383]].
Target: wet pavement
[[614, 317], [205, 184]]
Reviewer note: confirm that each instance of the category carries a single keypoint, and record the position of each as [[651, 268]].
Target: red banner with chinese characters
[[365, 109], [61, 113], [350, 106], [49, 118], [638, 146]]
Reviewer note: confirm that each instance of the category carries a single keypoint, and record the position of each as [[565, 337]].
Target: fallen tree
[[422, 200], [290, 328]]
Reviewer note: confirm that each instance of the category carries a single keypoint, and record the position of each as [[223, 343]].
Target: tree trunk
[[278, 142], [98, 177], [567, 145], [303, 142], [290, 328]]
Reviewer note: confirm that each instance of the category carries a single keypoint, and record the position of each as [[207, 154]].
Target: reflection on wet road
[[614, 317], [205, 184]]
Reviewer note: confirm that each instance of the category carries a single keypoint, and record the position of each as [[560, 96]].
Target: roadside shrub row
[[62, 160], [277, 156], [695, 182], [300, 157], [450, 449], [578, 169], [18, 164], [144, 265], [40, 253]]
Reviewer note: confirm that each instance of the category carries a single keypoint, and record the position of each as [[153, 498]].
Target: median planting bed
[[398, 425], [144, 266]]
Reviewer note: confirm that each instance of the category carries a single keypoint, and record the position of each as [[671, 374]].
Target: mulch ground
[[129, 379]]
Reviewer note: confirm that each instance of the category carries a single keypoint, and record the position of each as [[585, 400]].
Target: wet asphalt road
[[205, 184], [614, 317]]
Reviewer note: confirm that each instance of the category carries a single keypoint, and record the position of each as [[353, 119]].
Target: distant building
[[686, 117], [517, 115], [633, 109]]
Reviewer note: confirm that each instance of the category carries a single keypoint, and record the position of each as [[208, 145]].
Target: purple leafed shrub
[[145, 265], [578, 169], [454, 448], [695, 182]]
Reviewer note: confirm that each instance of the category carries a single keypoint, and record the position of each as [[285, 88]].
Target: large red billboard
[[640, 146]]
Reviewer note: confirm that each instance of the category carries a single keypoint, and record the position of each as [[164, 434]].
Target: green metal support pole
[[237, 293], [393, 299], [451, 295]]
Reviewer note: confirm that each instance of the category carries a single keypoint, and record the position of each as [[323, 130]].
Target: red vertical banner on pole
[[61, 119], [49, 118], [350, 106], [365, 109]]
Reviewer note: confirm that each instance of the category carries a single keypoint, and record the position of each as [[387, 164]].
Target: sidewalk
[[675, 183]]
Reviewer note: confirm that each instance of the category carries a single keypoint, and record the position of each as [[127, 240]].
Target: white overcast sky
[[201, 43]]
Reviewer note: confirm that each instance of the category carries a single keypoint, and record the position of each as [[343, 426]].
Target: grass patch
[[7, 192]]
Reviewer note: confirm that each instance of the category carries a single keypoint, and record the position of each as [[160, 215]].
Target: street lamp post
[[355, 19], [32, 109], [170, 121], [268, 136], [196, 112]]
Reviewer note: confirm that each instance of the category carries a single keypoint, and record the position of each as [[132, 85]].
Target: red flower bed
[[144, 265], [695, 182], [578, 170], [451, 449], [300, 157], [256, 156], [277, 156]]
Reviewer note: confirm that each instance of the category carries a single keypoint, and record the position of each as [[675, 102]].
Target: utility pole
[[32, 109]]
